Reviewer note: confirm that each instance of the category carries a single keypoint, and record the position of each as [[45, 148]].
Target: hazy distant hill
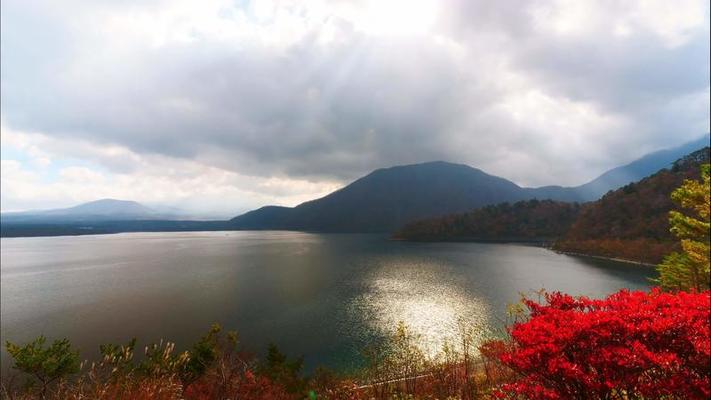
[[638, 169], [620, 176], [386, 199], [100, 217], [105, 209], [633, 222]]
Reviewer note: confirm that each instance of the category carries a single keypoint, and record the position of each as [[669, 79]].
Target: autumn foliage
[[532, 220], [689, 269], [630, 345], [632, 222]]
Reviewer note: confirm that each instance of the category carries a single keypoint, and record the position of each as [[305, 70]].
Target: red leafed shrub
[[248, 386], [630, 345]]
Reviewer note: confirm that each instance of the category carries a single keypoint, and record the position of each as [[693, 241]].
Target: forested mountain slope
[[532, 220], [632, 223]]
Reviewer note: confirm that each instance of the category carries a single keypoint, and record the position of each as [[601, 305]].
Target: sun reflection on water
[[416, 294]]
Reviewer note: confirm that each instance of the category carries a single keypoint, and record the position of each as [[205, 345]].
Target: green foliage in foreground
[[398, 367], [279, 368], [46, 364], [689, 269], [189, 365], [214, 368]]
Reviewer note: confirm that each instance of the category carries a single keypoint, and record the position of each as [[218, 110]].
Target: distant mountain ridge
[[101, 217], [630, 223], [94, 210], [638, 169], [388, 198], [382, 201], [106, 207]]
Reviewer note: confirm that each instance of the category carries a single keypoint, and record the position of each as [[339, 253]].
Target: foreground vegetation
[[630, 345], [216, 368]]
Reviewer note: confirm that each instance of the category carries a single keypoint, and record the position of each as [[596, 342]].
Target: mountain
[[102, 217], [382, 201], [524, 221], [636, 170], [267, 217], [388, 198], [105, 209], [620, 176], [632, 222]]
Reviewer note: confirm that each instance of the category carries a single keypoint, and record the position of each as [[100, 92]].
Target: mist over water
[[325, 296]]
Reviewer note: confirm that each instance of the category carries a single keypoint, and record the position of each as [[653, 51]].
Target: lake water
[[321, 295]]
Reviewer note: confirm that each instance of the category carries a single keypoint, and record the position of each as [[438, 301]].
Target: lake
[[325, 296]]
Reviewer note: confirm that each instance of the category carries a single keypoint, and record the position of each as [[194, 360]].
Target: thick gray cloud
[[538, 92]]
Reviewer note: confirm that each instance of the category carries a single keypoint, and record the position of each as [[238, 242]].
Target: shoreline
[[544, 243], [622, 260], [540, 242]]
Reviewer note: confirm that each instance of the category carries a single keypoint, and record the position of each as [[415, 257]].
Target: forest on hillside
[[527, 221], [630, 223]]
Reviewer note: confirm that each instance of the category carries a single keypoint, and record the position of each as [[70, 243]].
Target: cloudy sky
[[219, 106]]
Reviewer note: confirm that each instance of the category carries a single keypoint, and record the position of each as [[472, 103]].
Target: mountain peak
[[109, 201], [387, 198], [102, 209], [108, 207]]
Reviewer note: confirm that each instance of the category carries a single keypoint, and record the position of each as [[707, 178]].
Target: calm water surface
[[322, 295]]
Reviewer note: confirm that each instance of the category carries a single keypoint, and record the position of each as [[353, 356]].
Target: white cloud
[[239, 104], [153, 179], [675, 23]]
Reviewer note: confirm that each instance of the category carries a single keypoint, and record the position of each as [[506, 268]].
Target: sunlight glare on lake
[[431, 307]]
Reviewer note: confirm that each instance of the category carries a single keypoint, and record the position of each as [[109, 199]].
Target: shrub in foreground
[[690, 269], [630, 345], [213, 368], [46, 364]]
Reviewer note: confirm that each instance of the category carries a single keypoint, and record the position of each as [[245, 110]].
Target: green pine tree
[[689, 269]]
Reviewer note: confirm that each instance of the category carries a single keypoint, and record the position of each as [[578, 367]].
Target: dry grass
[[396, 369]]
